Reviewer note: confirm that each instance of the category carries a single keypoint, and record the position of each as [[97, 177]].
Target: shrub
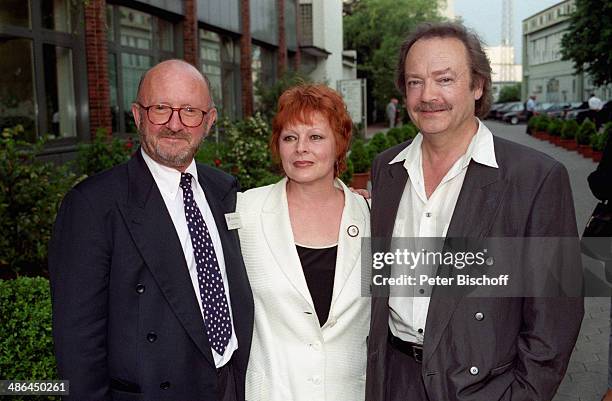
[[247, 154], [360, 157], [598, 141], [211, 152], [267, 95], [377, 144], [533, 122], [542, 123], [347, 175], [569, 130], [554, 127], [26, 345], [103, 153], [30, 192], [585, 132]]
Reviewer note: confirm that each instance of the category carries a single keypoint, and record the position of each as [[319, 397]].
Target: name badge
[[233, 221]]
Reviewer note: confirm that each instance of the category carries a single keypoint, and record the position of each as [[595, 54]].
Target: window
[[306, 24], [210, 59], [17, 94], [38, 84], [137, 41], [19, 14], [219, 61], [263, 68]]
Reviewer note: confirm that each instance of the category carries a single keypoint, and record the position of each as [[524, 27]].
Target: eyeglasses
[[160, 114]]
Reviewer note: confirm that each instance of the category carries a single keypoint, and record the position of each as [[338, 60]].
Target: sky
[[485, 17]]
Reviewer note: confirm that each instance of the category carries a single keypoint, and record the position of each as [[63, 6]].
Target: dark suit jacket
[[126, 323], [522, 346]]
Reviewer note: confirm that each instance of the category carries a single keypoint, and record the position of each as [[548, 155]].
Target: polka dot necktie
[[212, 293]]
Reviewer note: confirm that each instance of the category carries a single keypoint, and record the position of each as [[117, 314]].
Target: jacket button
[[152, 337], [473, 370], [479, 316], [164, 385], [140, 288]]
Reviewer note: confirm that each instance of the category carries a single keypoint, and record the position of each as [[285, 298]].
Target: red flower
[[217, 162]]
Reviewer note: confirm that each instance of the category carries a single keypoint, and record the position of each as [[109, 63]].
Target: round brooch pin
[[353, 231]]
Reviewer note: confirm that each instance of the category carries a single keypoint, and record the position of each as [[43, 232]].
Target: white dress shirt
[[168, 180], [418, 216]]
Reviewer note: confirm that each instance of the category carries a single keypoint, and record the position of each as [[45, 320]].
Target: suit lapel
[[154, 234], [385, 202], [352, 229], [478, 202], [279, 236]]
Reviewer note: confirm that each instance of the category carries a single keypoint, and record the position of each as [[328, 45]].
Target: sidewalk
[[586, 378]]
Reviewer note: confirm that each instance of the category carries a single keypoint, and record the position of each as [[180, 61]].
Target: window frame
[[75, 41], [115, 47]]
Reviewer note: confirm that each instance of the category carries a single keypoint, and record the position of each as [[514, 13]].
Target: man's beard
[[173, 157]]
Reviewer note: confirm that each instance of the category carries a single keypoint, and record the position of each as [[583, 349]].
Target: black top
[[600, 180], [319, 266]]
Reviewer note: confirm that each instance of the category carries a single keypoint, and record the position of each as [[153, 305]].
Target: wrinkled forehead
[[436, 55]]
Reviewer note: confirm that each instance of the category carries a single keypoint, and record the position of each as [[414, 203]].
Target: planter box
[[597, 155], [539, 134], [585, 150], [569, 144], [360, 180], [556, 140]]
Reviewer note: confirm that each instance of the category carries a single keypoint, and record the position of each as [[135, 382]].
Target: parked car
[[557, 110], [540, 107], [494, 108], [504, 109], [579, 113], [515, 114]]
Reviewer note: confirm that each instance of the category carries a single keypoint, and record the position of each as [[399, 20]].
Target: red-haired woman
[[301, 244]]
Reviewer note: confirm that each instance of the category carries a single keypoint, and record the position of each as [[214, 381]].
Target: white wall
[[327, 34]]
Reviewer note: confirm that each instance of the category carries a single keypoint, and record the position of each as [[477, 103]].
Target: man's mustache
[[167, 133], [424, 106]]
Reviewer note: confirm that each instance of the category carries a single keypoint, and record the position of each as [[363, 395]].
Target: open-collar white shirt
[[419, 216], [168, 181]]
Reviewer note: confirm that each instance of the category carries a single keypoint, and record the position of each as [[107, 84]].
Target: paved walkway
[[586, 379]]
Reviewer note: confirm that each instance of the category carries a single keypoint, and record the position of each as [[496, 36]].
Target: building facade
[[69, 68], [545, 74], [504, 71]]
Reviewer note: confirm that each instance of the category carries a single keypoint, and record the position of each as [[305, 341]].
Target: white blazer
[[293, 358]]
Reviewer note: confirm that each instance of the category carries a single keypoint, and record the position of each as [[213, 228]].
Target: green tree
[[376, 29], [511, 93], [268, 95], [588, 41]]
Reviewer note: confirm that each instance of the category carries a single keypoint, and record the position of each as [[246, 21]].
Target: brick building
[[70, 67]]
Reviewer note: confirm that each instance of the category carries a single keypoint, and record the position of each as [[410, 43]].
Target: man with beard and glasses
[[455, 180], [150, 295]]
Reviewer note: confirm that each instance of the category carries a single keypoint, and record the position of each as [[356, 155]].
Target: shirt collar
[[167, 178], [481, 150]]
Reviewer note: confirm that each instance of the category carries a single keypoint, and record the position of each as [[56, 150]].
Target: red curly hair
[[299, 104]]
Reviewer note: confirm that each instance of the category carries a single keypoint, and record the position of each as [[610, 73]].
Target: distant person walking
[[392, 112], [595, 104], [530, 106]]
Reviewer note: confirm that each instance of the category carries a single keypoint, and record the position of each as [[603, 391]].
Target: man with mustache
[[456, 180], [150, 295]]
